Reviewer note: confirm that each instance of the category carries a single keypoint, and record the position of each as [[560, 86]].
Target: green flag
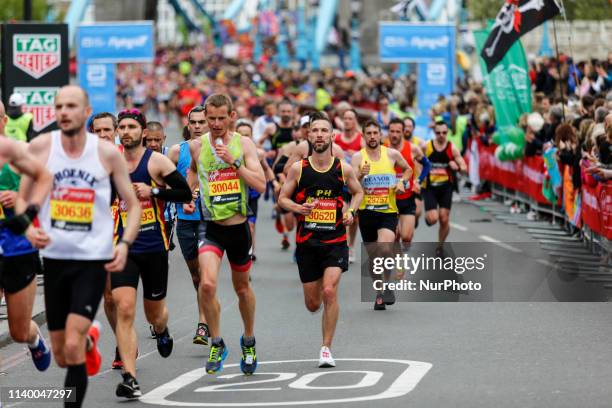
[[508, 85]]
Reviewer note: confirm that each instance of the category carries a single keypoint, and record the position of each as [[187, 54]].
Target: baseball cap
[[304, 120], [16, 99]]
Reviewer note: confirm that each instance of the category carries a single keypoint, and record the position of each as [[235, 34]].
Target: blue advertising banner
[[434, 79], [115, 42], [98, 80], [413, 42]]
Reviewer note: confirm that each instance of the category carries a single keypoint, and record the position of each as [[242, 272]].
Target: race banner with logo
[[35, 64], [508, 84]]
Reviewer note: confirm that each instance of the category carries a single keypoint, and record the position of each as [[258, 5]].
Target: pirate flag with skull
[[515, 18]]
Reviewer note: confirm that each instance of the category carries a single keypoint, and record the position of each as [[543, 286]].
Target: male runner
[[156, 138], [438, 191], [246, 129], [375, 167], [350, 141], [280, 135], [20, 262], [409, 136], [313, 190], [406, 204], [76, 231], [150, 173], [226, 164], [187, 225], [105, 126]]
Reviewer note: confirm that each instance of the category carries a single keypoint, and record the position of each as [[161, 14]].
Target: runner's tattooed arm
[[284, 198], [459, 160]]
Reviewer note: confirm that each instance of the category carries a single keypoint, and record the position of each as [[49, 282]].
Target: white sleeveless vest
[[76, 215]]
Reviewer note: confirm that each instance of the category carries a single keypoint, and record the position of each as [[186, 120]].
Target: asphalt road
[[503, 354]]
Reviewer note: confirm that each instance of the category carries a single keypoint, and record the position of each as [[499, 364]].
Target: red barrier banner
[[590, 208], [533, 178], [605, 206]]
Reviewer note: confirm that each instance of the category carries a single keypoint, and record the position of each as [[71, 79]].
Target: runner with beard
[[378, 216], [76, 233], [313, 190], [19, 263], [350, 141], [406, 203], [187, 225], [150, 173], [224, 165], [438, 192]]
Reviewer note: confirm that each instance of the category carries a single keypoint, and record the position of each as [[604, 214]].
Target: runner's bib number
[[224, 186], [323, 216], [376, 188], [147, 216], [72, 208]]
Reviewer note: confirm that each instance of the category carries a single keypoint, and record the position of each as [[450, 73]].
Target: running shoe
[[285, 243], [218, 353], [440, 251], [201, 335], [117, 363], [325, 358], [93, 359], [351, 255], [388, 297], [41, 354], [379, 303], [129, 387], [165, 342], [152, 329], [248, 362]]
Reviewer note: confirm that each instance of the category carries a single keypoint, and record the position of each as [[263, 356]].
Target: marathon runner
[[19, 263], [438, 191], [150, 173], [105, 126], [246, 130], [409, 125], [406, 203], [350, 141], [187, 225], [76, 232], [281, 134], [313, 190], [375, 167], [225, 164]]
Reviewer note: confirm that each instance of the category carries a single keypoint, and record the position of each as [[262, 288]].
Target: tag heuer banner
[[508, 85], [35, 64], [516, 17]]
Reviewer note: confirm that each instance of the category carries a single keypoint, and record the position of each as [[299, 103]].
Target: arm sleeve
[[426, 167], [179, 189]]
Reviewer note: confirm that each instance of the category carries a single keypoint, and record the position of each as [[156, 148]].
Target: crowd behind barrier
[[523, 180]]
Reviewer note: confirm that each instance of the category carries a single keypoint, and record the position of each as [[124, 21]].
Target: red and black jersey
[[323, 226]]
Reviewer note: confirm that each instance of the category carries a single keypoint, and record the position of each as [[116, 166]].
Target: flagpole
[[569, 38], [559, 68]]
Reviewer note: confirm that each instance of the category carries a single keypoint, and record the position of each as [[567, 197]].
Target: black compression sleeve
[[179, 189]]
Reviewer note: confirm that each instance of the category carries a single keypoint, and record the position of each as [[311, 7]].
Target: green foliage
[[13, 10], [576, 9]]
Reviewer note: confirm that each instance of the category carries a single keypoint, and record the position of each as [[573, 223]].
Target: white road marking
[[500, 244], [401, 386], [458, 226]]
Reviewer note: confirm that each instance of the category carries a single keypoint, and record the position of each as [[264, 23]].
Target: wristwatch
[[155, 191], [237, 163]]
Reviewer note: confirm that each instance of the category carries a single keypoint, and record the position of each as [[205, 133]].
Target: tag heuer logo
[[37, 54], [40, 102]]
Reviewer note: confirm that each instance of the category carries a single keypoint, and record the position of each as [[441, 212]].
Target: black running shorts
[[72, 286], [151, 267], [312, 260], [16, 272], [234, 239], [406, 206], [438, 196], [371, 221], [187, 234]]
